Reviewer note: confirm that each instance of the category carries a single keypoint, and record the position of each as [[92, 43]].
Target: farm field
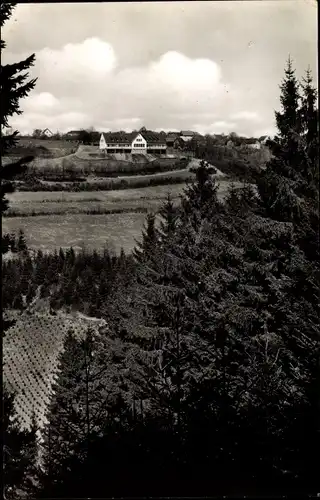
[[50, 203], [48, 147], [66, 222], [79, 231]]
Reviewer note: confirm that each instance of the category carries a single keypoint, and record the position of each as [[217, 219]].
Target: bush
[[73, 169], [108, 185]]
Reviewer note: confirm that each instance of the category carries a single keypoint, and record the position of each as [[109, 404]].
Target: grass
[[66, 222], [125, 182], [78, 230], [43, 149], [119, 195], [24, 204]]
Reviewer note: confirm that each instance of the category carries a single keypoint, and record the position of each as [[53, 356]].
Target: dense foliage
[[83, 281], [235, 160]]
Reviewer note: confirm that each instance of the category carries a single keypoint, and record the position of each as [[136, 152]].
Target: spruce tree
[[147, 247], [199, 199], [14, 86], [22, 244], [169, 218], [77, 411], [283, 181], [19, 452]]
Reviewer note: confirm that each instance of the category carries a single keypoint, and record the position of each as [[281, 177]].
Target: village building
[[72, 135], [171, 137], [133, 142], [187, 135], [46, 133], [180, 142], [264, 139]]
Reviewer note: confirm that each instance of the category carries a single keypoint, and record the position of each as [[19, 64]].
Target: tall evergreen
[[19, 452], [147, 247], [14, 86], [169, 218], [200, 197], [287, 176], [77, 411]]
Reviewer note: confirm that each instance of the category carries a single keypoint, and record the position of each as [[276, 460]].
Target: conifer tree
[[147, 247], [22, 244], [200, 198], [310, 126], [169, 218], [14, 87], [77, 411], [281, 183], [19, 451]]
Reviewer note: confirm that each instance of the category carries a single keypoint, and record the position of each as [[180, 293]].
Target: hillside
[[30, 354]]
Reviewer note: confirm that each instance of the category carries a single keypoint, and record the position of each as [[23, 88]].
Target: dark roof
[[73, 132], [153, 137], [128, 137], [250, 140], [187, 132], [119, 137]]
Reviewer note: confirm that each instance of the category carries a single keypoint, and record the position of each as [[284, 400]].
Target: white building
[[134, 142]]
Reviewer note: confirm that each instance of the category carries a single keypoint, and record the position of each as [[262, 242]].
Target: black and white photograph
[[160, 249]]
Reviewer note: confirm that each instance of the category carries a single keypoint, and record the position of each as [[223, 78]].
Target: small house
[[46, 133]]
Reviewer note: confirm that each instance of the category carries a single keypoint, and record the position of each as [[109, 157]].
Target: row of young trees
[[83, 281], [206, 379]]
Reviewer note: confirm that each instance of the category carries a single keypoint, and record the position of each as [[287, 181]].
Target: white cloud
[[91, 58], [217, 127], [82, 85], [43, 102], [246, 115]]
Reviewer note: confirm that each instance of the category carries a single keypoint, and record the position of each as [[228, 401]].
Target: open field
[[46, 148], [50, 203], [47, 143], [79, 230], [66, 223]]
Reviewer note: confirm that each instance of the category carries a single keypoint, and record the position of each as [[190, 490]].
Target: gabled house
[[171, 137], [133, 142], [264, 139], [254, 144], [180, 143], [187, 135], [46, 133]]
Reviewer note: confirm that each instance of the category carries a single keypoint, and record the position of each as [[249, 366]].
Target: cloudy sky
[[208, 66]]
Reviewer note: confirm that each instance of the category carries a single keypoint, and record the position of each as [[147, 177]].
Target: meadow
[[91, 232], [87, 219]]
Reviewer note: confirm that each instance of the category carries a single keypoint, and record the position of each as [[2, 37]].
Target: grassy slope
[[83, 230]]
